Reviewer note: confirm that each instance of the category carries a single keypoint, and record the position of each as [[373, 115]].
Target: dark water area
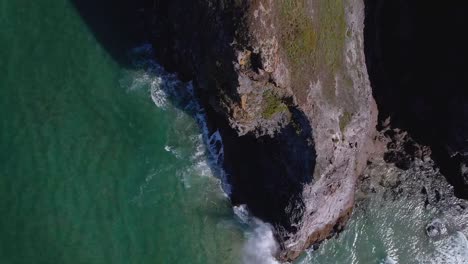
[[117, 25], [417, 59]]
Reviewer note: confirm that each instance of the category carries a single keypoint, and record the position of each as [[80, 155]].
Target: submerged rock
[[436, 228]]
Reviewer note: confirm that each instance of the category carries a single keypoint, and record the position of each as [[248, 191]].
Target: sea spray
[[389, 260], [261, 246]]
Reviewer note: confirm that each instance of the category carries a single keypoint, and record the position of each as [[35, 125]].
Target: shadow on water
[[417, 60], [117, 24], [267, 174]]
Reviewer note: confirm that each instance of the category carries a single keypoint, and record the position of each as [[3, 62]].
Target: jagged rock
[[402, 150]]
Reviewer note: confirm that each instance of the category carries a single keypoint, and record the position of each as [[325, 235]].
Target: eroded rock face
[[417, 60], [285, 84]]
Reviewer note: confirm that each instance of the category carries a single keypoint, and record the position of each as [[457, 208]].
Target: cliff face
[[417, 60], [286, 85]]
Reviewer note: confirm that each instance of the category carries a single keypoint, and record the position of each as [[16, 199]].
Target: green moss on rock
[[345, 119], [272, 105]]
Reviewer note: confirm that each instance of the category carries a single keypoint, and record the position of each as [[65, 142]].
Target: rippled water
[[101, 163], [390, 225]]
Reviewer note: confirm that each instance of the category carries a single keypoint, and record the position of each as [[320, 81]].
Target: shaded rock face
[[417, 59], [268, 173], [285, 84]]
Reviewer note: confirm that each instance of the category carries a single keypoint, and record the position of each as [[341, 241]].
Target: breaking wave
[[261, 246]]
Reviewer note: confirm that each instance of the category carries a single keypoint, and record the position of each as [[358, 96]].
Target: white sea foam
[[174, 151], [158, 95], [389, 260], [151, 76], [452, 250], [261, 246], [242, 213]]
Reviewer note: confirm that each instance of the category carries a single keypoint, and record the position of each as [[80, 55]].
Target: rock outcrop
[[285, 84]]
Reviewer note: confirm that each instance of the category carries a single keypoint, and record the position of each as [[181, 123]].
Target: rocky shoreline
[[423, 185]]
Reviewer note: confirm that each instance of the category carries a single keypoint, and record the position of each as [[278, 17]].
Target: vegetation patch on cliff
[[298, 39], [332, 24], [313, 42], [345, 119], [297, 35], [332, 28], [272, 105]]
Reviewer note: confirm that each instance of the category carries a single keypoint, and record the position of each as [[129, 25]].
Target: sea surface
[[105, 163]]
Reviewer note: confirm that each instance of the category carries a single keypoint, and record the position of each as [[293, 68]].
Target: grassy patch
[[332, 25], [298, 39], [314, 46], [345, 118], [297, 32], [272, 105]]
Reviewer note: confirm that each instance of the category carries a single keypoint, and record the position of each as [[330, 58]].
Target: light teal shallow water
[[99, 164]]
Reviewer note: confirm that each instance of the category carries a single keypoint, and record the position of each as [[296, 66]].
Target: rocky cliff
[[286, 85]]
